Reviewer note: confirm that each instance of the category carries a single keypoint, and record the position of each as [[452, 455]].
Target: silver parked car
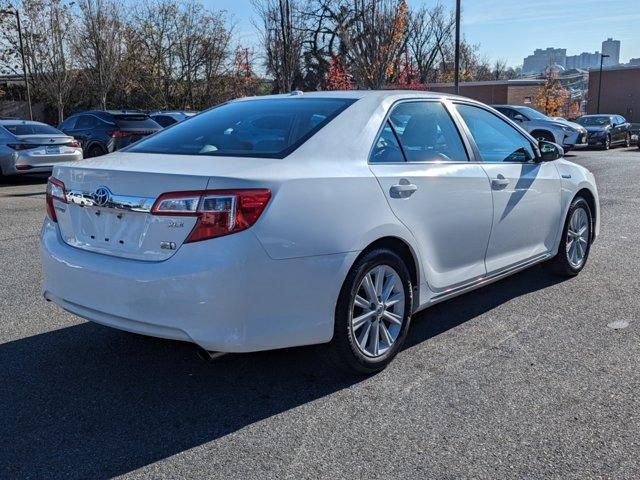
[[560, 131], [33, 147]]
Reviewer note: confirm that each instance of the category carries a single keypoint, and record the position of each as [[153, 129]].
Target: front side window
[[425, 131], [496, 140], [270, 128]]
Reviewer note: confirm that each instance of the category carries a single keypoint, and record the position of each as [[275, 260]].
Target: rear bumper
[[225, 294], [24, 162]]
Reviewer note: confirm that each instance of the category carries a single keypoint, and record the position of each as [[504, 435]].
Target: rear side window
[[31, 129], [270, 128], [425, 131]]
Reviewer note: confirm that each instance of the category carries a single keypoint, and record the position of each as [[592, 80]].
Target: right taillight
[[219, 212], [55, 190]]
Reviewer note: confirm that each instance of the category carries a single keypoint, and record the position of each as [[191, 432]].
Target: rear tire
[[95, 151], [368, 333], [575, 243]]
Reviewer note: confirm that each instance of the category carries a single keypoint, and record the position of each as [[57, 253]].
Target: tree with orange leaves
[[337, 76], [551, 96]]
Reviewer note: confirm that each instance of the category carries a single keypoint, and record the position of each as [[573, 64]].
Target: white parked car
[[311, 218]]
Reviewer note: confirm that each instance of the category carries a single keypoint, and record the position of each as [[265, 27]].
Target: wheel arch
[[590, 198], [546, 132], [405, 252]]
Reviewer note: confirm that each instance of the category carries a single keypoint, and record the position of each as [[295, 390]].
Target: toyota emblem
[[101, 196]]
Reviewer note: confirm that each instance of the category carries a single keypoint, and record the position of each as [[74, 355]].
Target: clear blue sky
[[512, 29]]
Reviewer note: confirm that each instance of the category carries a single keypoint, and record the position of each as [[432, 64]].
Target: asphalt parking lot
[[520, 379]]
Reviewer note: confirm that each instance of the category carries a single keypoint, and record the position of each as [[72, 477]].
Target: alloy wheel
[[577, 237], [377, 312]]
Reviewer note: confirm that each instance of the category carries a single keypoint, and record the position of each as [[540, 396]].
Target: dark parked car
[[166, 118], [606, 131], [102, 132]]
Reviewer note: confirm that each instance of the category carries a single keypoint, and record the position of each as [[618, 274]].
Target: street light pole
[[602, 57], [24, 62], [456, 75]]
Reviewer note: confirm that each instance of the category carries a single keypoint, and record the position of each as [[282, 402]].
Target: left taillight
[[74, 144], [55, 190], [218, 212]]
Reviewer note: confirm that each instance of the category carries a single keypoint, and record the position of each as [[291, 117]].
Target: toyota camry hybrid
[[311, 218]]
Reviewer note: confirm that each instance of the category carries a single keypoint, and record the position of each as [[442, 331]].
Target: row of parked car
[[601, 130], [33, 147]]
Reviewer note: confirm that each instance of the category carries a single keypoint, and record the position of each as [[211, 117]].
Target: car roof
[[355, 95]]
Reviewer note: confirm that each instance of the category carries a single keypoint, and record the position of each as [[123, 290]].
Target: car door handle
[[499, 183], [402, 190]]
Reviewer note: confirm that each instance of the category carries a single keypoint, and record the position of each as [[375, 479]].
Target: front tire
[[627, 141], [373, 313], [575, 243], [607, 143]]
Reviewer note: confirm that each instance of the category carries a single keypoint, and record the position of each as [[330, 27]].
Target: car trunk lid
[[109, 201]]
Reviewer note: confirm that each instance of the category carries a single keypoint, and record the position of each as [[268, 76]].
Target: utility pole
[[456, 75], [602, 57], [24, 62]]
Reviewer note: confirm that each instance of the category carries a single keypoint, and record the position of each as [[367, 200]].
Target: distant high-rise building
[[584, 61], [541, 59], [611, 47]]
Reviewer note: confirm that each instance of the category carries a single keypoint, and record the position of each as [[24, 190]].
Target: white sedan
[[311, 218]]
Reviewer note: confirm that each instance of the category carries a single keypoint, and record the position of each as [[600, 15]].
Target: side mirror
[[518, 118], [550, 151]]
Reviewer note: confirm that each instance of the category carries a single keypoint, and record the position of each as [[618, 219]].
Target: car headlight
[[567, 129]]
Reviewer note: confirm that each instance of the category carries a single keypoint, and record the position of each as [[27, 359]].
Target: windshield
[[31, 129], [532, 114], [270, 128], [600, 121]]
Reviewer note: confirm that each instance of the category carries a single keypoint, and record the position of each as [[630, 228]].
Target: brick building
[[620, 93], [515, 92]]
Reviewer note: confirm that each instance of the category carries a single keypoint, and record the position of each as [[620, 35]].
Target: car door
[[526, 192], [422, 165], [83, 129]]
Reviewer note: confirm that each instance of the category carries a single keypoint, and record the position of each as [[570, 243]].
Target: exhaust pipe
[[208, 356]]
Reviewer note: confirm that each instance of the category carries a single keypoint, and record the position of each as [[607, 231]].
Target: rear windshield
[[594, 121], [136, 121], [250, 128], [31, 129]]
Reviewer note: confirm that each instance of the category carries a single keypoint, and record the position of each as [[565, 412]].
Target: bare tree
[[46, 28], [99, 45], [430, 34], [282, 31]]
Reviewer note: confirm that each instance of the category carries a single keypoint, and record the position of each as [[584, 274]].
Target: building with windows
[[584, 61], [611, 47], [543, 58]]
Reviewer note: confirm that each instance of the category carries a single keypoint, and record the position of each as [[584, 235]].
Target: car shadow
[[32, 179], [88, 401]]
